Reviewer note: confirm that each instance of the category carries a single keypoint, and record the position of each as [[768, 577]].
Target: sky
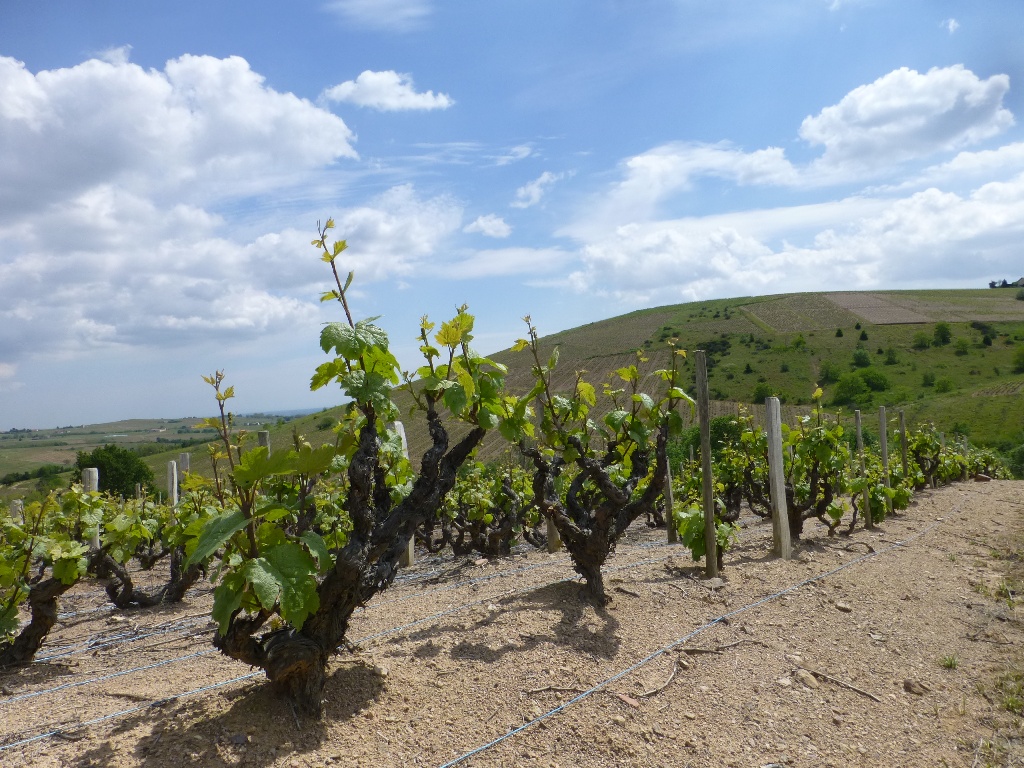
[[163, 168]]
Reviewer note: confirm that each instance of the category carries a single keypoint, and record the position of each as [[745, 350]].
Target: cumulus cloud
[[202, 129], [530, 194], [951, 25], [489, 225], [905, 115], [391, 15], [920, 240], [111, 177], [387, 91]]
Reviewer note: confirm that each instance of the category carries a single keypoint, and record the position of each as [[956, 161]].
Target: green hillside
[[783, 345]]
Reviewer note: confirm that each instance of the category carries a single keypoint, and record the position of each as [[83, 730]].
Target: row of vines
[[295, 541]]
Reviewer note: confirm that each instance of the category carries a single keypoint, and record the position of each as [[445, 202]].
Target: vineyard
[[271, 614]]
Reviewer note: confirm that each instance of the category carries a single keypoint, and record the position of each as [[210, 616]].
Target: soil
[[883, 647]]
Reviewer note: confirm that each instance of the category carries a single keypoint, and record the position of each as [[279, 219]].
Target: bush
[[829, 372], [1018, 360], [875, 379], [891, 356], [945, 384], [943, 334], [921, 340], [839, 333], [928, 379], [861, 358], [762, 391], [962, 346], [120, 469], [863, 335], [851, 389], [1020, 295]]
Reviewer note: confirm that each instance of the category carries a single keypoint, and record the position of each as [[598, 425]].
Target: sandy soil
[[881, 648]]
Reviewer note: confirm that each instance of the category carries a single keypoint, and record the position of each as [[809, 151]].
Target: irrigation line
[[661, 651], [123, 712], [122, 673]]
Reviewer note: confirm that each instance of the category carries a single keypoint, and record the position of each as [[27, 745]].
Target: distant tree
[[761, 391], [943, 334], [891, 356], [839, 333], [928, 379], [828, 372], [1020, 295], [921, 340], [863, 335], [861, 358], [851, 389], [963, 346], [875, 379], [945, 384], [120, 469], [1018, 360]]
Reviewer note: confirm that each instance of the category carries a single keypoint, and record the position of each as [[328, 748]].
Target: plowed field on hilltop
[[881, 648]]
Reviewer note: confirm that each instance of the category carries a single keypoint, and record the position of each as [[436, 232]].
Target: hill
[[967, 381]]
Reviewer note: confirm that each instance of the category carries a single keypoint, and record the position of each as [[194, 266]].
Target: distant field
[[784, 342]]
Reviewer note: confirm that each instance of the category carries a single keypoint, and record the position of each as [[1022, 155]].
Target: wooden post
[[554, 540], [17, 508], [692, 462], [138, 491], [903, 445], [781, 543], [172, 483], [869, 519], [670, 522], [883, 448], [409, 556], [263, 438], [91, 484], [704, 415]]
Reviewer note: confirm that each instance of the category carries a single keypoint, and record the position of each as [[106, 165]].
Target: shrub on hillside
[[861, 358]]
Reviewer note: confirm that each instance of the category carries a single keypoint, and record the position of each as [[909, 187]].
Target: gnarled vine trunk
[[295, 661], [42, 601], [597, 510]]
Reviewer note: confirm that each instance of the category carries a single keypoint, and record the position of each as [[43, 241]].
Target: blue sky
[[163, 167]]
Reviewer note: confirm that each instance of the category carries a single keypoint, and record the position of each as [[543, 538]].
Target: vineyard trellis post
[[91, 484], [172, 483], [869, 520], [704, 417], [883, 449], [781, 545], [408, 557], [263, 438]]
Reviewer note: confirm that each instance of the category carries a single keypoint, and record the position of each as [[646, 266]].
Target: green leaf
[[586, 393], [520, 345], [295, 571], [314, 461], [352, 341], [227, 598], [318, 548], [259, 464], [455, 398], [216, 531]]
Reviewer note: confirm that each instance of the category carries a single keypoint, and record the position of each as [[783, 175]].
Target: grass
[[950, 661]]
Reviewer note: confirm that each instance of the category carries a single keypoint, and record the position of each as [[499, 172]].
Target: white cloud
[[926, 239], [387, 91], [111, 177], [489, 225], [951, 25], [905, 115], [393, 15], [514, 155], [203, 129], [531, 193], [506, 262]]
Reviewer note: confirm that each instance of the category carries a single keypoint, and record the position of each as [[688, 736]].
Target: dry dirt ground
[[881, 648]]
